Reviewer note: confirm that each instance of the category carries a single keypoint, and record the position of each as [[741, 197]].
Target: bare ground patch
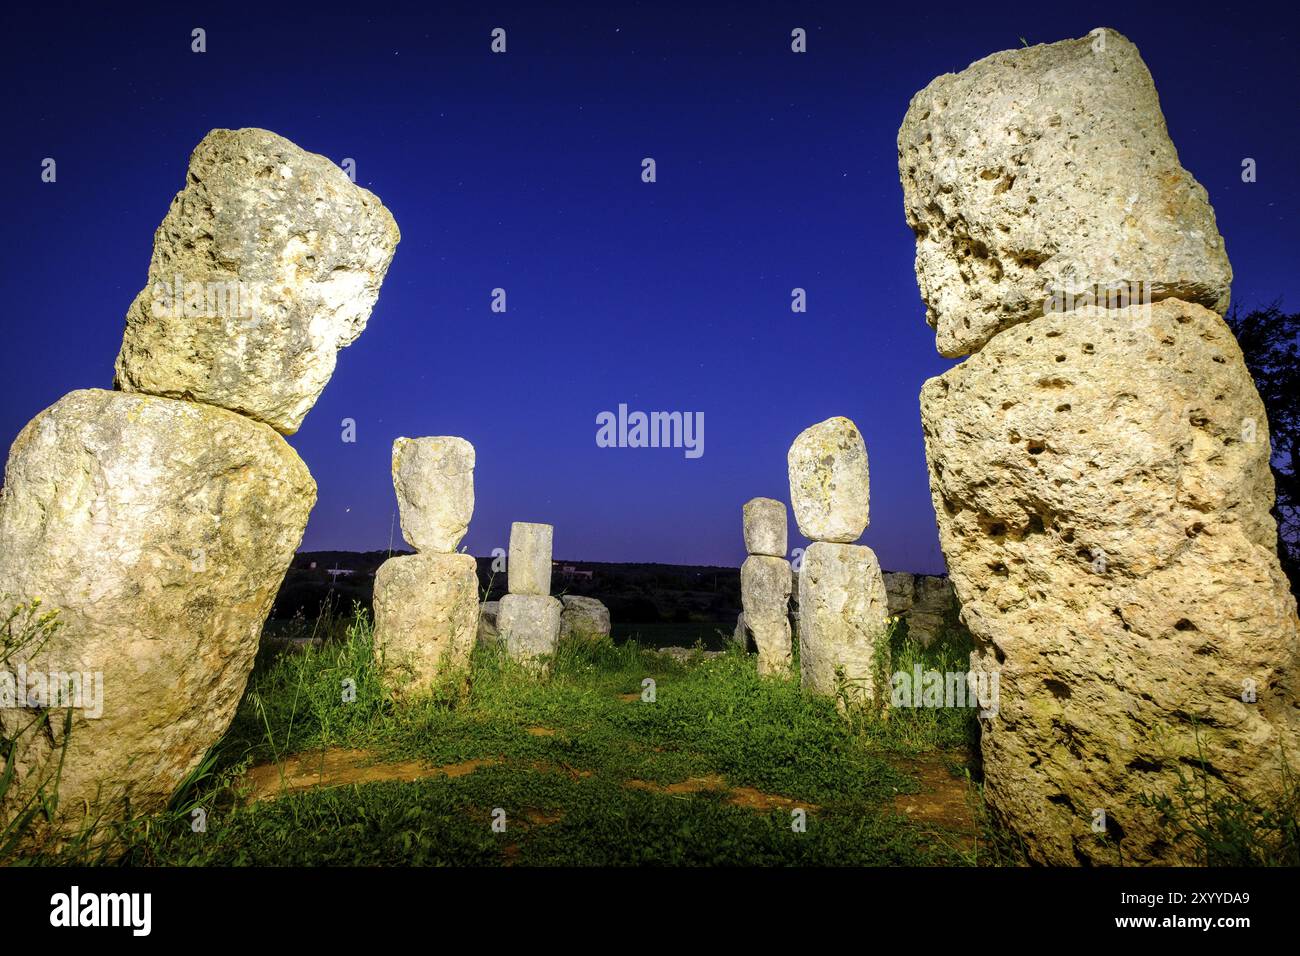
[[747, 797], [338, 768], [944, 802]]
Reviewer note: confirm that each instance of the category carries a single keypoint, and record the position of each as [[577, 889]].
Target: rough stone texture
[[900, 586], [529, 625], [528, 568], [933, 606], [287, 255], [765, 595], [741, 634], [161, 531], [584, 618], [1102, 487], [765, 531], [829, 481], [487, 622], [434, 481], [925, 601], [1049, 169], [843, 609], [426, 618]]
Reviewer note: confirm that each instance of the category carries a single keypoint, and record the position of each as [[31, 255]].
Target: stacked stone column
[[426, 604], [765, 584], [1099, 464], [159, 519], [528, 620], [843, 607]]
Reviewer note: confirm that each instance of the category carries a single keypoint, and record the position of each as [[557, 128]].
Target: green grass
[[1221, 827], [565, 797], [921, 729], [28, 802], [594, 789]]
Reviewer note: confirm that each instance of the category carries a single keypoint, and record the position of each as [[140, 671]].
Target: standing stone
[[434, 481], [1045, 170], [584, 619], [1100, 475], [529, 625], [765, 530], [426, 618], [487, 622], [829, 481], [1102, 485], [268, 262], [528, 569], [160, 530], [765, 594], [843, 611]]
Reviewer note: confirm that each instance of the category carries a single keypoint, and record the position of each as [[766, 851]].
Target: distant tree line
[[1269, 341]]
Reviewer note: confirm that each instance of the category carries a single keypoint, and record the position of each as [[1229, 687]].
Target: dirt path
[[945, 802], [339, 768]]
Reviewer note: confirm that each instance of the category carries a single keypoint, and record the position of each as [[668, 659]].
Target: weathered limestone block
[[765, 595], [487, 622], [584, 618], [843, 611], [1049, 169], [528, 568], [829, 481], [900, 586], [434, 481], [529, 625], [933, 606], [426, 618], [268, 262], [1102, 488], [765, 531], [160, 530]]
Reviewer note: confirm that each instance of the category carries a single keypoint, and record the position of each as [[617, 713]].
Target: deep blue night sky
[[522, 171]]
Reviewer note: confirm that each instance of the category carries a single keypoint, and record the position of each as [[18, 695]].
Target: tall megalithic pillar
[[1099, 461], [158, 520], [528, 622], [426, 604], [843, 606], [765, 584]]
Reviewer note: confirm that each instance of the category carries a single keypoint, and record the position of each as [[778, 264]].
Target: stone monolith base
[[843, 617], [529, 625], [1102, 487], [426, 618], [160, 530]]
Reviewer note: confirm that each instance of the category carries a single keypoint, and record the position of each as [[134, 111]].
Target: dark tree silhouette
[[1268, 338]]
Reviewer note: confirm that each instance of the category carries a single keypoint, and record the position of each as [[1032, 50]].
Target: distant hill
[[635, 593]]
